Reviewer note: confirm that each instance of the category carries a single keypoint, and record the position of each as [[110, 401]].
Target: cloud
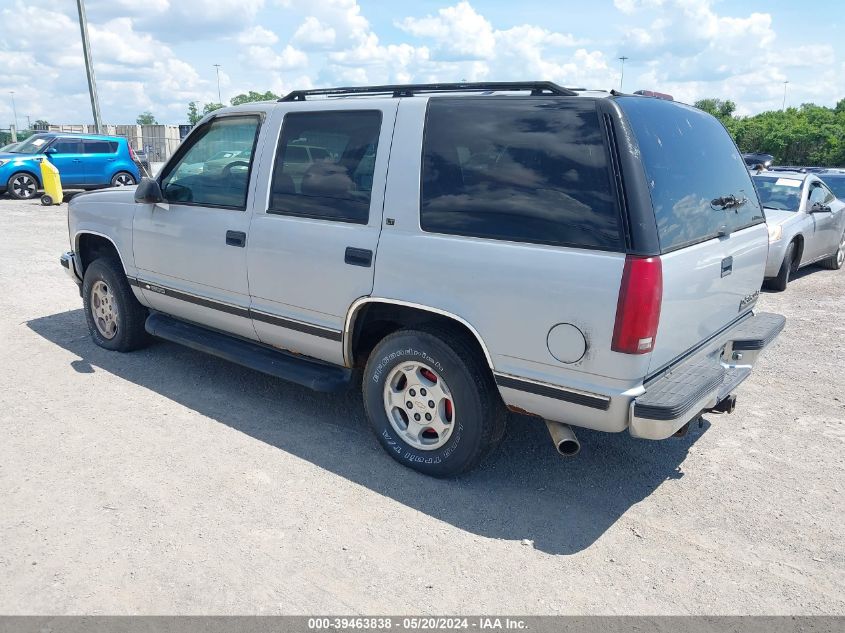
[[258, 36], [265, 58], [314, 35], [461, 33]]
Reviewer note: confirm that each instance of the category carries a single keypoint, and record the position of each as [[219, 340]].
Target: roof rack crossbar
[[537, 88]]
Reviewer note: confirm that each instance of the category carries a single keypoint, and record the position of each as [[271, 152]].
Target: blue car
[[84, 161]]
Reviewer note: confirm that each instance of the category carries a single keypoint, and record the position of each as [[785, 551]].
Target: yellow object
[[52, 183]]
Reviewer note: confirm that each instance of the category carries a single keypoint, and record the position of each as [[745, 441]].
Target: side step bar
[[302, 370]]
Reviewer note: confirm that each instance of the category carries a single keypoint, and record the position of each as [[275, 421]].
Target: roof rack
[[537, 88]]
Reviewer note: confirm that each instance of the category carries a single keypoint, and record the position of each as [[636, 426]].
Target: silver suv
[[589, 258]]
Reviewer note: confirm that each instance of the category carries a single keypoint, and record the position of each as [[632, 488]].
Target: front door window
[[213, 170]]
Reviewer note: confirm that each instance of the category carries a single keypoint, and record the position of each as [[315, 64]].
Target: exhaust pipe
[[564, 438]]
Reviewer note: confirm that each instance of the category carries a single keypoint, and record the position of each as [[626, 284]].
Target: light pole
[[15, 114], [622, 74], [89, 66], [28, 123], [219, 98], [783, 107]]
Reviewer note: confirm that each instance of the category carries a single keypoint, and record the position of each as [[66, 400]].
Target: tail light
[[638, 308], [132, 154]]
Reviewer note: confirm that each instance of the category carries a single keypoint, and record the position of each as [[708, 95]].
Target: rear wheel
[[432, 402], [22, 186], [835, 261], [46, 200], [122, 179], [788, 266], [115, 318]]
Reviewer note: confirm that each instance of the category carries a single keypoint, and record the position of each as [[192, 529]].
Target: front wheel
[[835, 261], [122, 179], [22, 186], [115, 318], [432, 402]]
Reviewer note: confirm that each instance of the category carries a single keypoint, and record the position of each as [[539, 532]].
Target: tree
[[146, 118], [253, 96], [211, 107], [41, 124], [193, 113], [718, 108]]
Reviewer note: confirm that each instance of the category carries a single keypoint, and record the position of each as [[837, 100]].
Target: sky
[[159, 55]]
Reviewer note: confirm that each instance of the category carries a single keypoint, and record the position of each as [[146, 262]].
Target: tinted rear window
[[526, 170], [690, 160]]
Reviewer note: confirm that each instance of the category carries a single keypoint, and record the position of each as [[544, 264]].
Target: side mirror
[[148, 192], [51, 150], [819, 207]]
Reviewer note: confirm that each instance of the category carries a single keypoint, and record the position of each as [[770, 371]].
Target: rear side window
[[690, 160], [524, 170], [98, 147], [331, 179]]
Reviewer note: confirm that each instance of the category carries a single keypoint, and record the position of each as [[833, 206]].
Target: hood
[[108, 194], [776, 216], [13, 156]]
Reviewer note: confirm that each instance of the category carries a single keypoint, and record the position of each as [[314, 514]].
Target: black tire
[[123, 179], [46, 200], [835, 261], [22, 186], [788, 266], [479, 410], [130, 315]]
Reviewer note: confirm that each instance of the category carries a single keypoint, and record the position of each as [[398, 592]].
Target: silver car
[[464, 249], [806, 224]]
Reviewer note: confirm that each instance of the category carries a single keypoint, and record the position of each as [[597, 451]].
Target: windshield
[[783, 194], [32, 145], [836, 184]]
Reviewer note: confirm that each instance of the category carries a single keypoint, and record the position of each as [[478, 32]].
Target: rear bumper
[[702, 381], [71, 265]]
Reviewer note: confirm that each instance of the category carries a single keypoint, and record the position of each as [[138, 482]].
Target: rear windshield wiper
[[728, 202]]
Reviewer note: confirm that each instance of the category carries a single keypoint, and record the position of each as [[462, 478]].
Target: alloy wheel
[[419, 406], [104, 309], [24, 186]]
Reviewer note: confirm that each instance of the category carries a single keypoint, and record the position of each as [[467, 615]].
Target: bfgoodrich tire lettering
[[479, 412], [105, 276]]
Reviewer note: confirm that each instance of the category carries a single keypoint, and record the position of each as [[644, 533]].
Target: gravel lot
[[168, 482]]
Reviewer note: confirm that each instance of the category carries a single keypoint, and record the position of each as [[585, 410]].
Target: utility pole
[[14, 109], [28, 123], [622, 74], [783, 107], [219, 98], [89, 66]]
